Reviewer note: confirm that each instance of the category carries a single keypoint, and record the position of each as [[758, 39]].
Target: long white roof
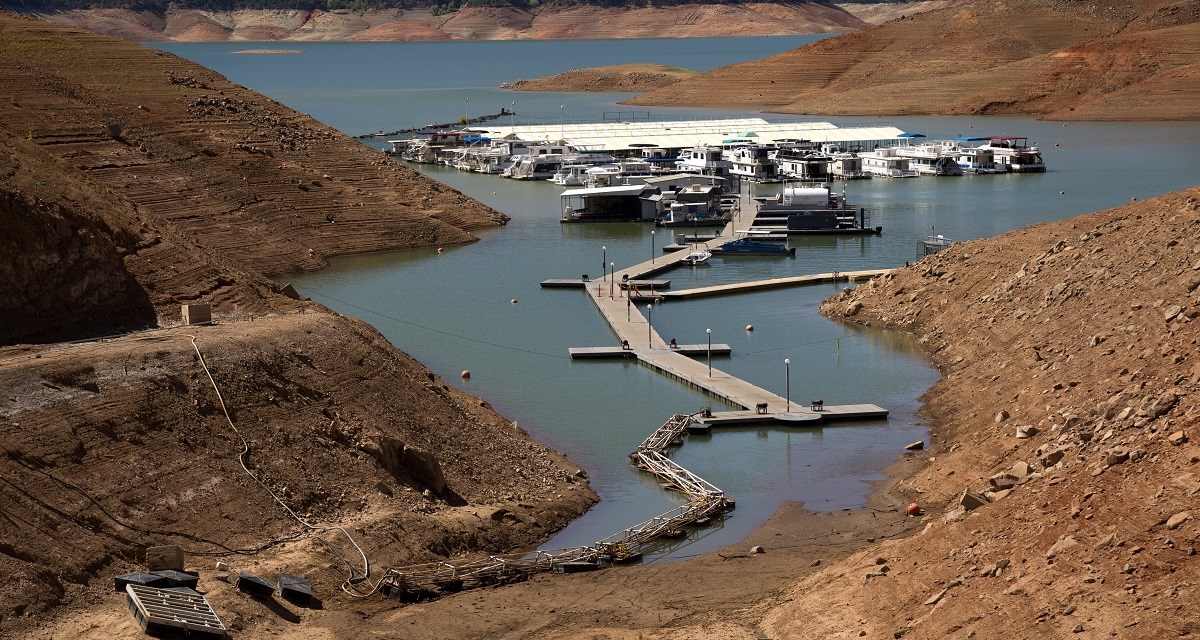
[[678, 134]]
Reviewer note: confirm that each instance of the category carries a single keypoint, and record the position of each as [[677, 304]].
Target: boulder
[[971, 500], [1064, 543], [1002, 481], [1049, 456], [1174, 521]]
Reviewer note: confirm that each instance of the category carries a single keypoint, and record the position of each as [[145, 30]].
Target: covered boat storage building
[[624, 137]]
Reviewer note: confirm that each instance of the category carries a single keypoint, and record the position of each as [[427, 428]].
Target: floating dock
[[773, 283], [694, 350], [706, 502], [641, 341], [570, 283]]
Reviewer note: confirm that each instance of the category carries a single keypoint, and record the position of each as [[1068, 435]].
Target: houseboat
[[812, 209], [754, 163], [806, 166], [932, 159], [705, 161], [884, 162], [620, 172], [972, 159], [635, 202], [1015, 155]]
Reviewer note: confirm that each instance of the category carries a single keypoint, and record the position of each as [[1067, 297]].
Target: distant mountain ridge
[[1052, 58], [219, 20]]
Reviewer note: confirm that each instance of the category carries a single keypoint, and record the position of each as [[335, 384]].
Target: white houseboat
[[1015, 155], [885, 163], [755, 163]]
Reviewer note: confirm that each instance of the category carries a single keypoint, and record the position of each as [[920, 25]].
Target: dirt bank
[[1070, 400], [621, 77], [1053, 59], [110, 447], [191, 185], [553, 21], [135, 182]]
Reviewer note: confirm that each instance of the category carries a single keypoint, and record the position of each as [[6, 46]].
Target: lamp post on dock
[[650, 326], [612, 276], [603, 256], [709, 332], [652, 255], [787, 373]]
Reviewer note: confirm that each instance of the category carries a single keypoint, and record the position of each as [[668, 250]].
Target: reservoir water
[[453, 310]]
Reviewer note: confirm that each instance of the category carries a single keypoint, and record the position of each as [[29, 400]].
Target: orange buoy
[[749, 327], [465, 375], [914, 510]]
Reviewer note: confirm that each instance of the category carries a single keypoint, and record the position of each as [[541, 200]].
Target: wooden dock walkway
[[773, 283], [705, 501], [633, 323]]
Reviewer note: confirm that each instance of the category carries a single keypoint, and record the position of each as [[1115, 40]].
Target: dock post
[[709, 332], [650, 326], [787, 368], [652, 256]]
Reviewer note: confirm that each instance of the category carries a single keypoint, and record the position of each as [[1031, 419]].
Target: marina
[[513, 348]]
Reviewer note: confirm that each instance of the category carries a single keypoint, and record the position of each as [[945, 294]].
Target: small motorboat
[[697, 257]]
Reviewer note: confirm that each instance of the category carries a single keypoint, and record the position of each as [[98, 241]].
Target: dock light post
[[628, 309], [650, 326], [612, 277], [652, 254], [787, 373], [709, 332], [512, 117], [466, 105], [604, 257]]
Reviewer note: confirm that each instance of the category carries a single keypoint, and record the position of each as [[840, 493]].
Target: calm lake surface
[[453, 310]]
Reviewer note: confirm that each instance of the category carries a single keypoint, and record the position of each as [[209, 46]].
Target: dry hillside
[[1052, 58], [193, 184], [551, 21], [1070, 399], [621, 77], [134, 181]]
